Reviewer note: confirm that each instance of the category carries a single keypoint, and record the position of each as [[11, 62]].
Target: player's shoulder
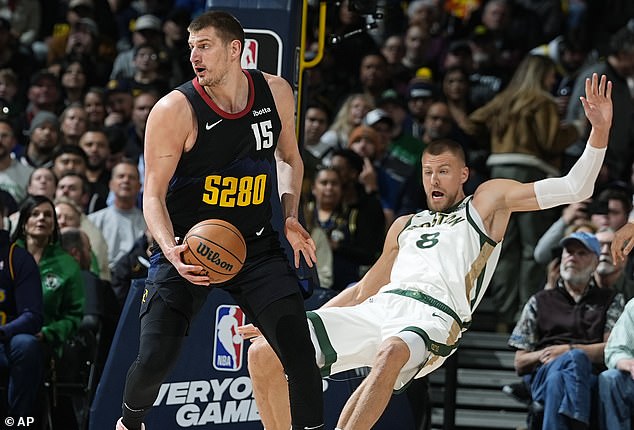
[[173, 103], [401, 222], [272, 78], [491, 190], [276, 83], [174, 96]]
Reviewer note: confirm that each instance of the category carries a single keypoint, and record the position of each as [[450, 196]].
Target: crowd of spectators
[[78, 79]]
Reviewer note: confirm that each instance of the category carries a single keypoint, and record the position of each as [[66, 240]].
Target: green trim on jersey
[[429, 300], [407, 224], [329, 352], [434, 347], [483, 235]]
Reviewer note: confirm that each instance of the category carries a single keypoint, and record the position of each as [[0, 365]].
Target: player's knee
[[154, 362], [392, 352], [261, 358]]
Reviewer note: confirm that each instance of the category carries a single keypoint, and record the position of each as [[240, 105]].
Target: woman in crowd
[[74, 80], [95, 106], [349, 116], [354, 240], [62, 287], [320, 213]]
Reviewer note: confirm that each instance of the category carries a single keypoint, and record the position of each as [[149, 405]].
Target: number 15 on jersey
[[263, 134]]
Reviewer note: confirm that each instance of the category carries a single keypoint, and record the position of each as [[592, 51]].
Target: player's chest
[[223, 140]]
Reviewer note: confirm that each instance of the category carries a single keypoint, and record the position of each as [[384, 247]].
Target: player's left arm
[[290, 171], [502, 196], [378, 275]]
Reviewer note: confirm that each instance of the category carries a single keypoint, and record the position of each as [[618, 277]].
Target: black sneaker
[[519, 391]]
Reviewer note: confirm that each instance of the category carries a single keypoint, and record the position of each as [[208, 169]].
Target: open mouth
[[437, 194]]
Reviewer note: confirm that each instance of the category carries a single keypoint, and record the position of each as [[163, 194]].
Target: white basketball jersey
[[447, 256]]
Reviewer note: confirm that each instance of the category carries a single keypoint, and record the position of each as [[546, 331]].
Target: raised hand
[[597, 104]]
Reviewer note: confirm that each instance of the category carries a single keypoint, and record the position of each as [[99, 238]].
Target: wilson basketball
[[218, 246]]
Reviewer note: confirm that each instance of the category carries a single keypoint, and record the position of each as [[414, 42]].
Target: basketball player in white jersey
[[407, 314]]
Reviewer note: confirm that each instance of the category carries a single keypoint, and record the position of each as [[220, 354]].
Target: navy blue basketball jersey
[[228, 172]]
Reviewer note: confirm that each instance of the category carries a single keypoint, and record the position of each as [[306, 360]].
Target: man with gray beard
[[610, 274], [561, 335]]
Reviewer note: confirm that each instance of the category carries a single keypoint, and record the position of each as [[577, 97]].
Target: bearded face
[[577, 264], [576, 275]]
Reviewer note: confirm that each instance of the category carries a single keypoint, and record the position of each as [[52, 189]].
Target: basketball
[[218, 246]]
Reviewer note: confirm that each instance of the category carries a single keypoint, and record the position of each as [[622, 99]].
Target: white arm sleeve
[[577, 185]]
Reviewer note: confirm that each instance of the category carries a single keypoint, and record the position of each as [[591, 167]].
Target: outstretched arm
[[500, 197]]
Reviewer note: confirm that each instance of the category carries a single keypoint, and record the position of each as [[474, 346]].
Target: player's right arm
[[379, 273], [170, 129], [496, 199]]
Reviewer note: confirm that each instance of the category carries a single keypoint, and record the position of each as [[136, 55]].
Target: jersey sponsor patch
[[228, 344]]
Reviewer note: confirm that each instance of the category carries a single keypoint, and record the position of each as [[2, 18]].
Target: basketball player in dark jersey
[[212, 147]]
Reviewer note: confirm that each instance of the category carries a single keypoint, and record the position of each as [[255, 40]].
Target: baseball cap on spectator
[[87, 24], [460, 47], [420, 90], [147, 22], [424, 73], [377, 115], [363, 131], [588, 240], [42, 75], [481, 36], [118, 86], [42, 118], [73, 4], [390, 96]]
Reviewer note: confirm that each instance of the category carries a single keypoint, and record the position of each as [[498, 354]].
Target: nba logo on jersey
[[250, 54], [228, 344]]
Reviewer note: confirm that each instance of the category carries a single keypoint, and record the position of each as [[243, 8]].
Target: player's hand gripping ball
[[218, 246]]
